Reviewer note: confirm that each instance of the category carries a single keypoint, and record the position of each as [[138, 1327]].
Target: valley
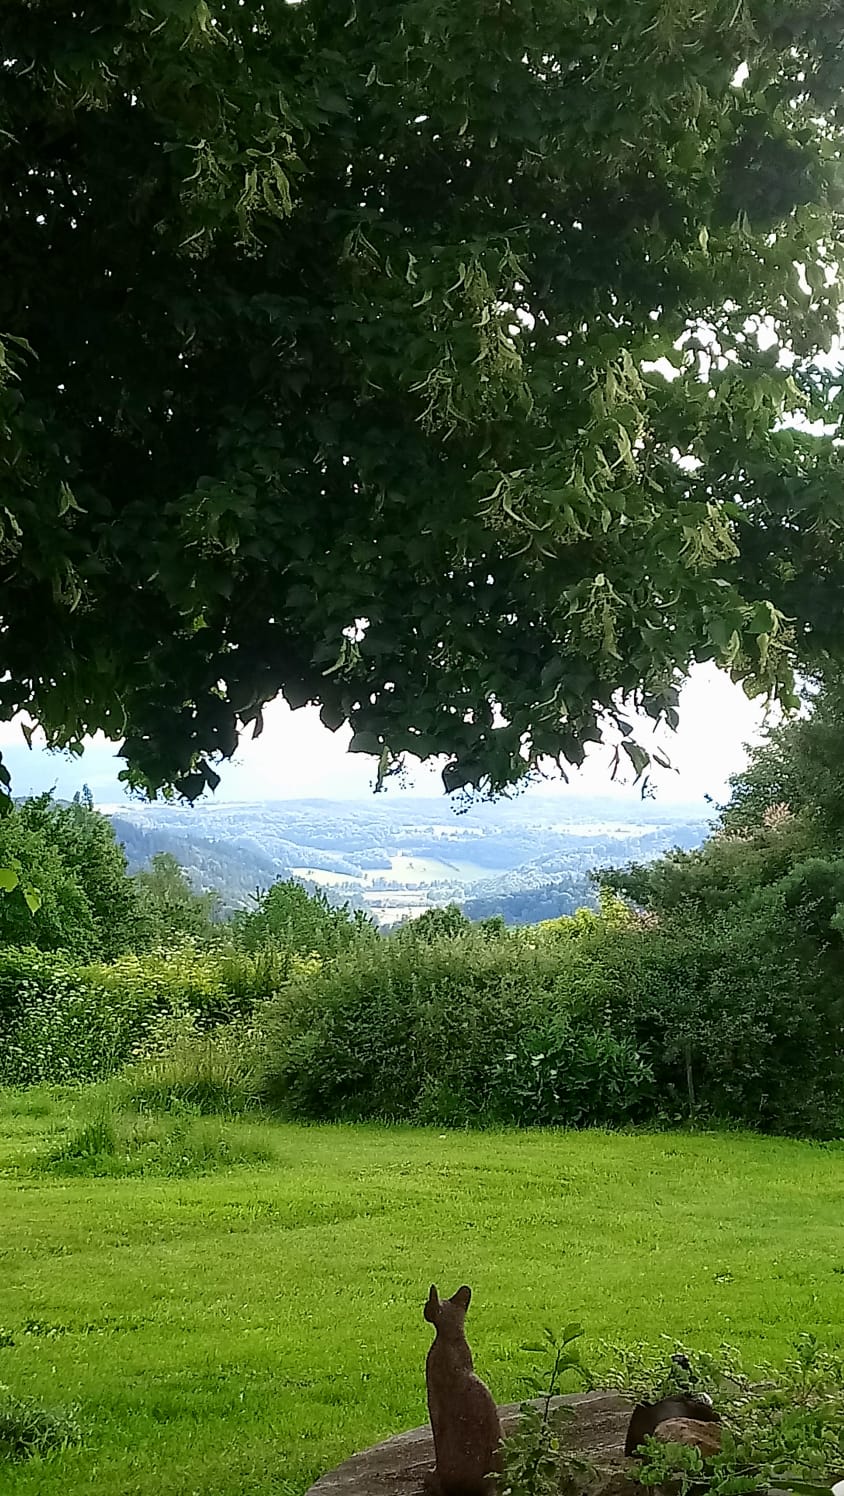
[[528, 858]]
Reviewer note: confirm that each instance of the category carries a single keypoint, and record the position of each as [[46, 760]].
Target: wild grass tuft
[[177, 1144], [212, 1072], [28, 1428]]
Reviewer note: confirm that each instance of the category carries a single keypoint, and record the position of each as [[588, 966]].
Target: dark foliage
[[322, 313]]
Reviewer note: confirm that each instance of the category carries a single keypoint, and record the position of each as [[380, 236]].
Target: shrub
[[612, 914], [184, 979], [735, 1020], [448, 921], [566, 1072], [72, 1031], [251, 976], [61, 1023], [26, 973], [607, 1020], [727, 870], [447, 1031]]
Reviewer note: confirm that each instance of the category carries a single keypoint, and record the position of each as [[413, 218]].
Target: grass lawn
[[241, 1332]]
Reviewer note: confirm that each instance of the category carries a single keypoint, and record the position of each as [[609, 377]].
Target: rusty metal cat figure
[[464, 1418]]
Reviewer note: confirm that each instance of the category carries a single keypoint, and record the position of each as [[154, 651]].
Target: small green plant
[[649, 1373], [535, 1459], [94, 1139], [785, 1433], [29, 1428], [678, 1467]]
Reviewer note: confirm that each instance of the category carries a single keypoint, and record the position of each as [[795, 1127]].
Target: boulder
[[691, 1431]]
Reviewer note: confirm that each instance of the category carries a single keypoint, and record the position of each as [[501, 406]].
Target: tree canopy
[[782, 826], [327, 368], [797, 771], [168, 906], [71, 890]]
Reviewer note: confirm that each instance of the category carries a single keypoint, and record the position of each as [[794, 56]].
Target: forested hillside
[[528, 859]]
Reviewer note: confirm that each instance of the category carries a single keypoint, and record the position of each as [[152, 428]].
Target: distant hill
[[232, 869], [528, 858]]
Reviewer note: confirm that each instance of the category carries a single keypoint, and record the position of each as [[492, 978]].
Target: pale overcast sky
[[296, 757]]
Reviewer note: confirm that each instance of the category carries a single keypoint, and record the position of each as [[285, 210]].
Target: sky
[[297, 758]]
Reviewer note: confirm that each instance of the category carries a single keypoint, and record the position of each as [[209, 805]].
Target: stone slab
[[397, 1467]]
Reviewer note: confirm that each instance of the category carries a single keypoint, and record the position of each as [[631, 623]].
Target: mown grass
[[237, 1332]]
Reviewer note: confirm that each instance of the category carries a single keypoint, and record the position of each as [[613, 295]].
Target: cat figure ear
[[433, 1307], [462, 1298]]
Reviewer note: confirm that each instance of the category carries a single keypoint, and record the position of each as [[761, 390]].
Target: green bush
[[250, 976], [446, 922], [184, 979], [567, 1072], [55, 1026], [603, 1020], [71, 1031], [735, 1018], [728, 870], [25, 973], [447, 1031], [60, 1022]]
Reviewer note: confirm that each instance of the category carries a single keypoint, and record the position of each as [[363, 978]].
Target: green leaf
[[664, 763], [761, 619], [332, 716], [9, 879], [571, 1332], [297, 694], [67, 500], [33, 897], [638, 756]]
